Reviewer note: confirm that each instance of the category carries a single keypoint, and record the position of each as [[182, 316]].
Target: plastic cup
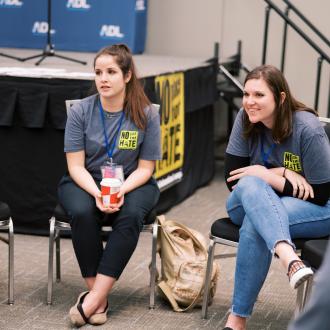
[[109, 190]]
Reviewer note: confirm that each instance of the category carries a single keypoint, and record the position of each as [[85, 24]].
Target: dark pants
[[87, 219]]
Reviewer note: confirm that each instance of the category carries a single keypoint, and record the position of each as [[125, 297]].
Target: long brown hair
[[135, 99], [284, 109]]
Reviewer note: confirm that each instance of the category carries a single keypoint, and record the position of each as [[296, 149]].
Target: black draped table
[[32, 121]]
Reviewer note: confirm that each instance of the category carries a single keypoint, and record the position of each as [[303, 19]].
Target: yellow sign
[[170, 90], [128, 140], [292, 162]]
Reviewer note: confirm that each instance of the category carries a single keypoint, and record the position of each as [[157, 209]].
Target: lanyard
[[109, 148], [265, 155]]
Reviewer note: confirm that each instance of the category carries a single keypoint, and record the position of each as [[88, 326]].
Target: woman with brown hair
[[119, 125], [277, 167]]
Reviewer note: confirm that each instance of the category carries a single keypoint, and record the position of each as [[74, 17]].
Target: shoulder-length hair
[[135, 99], [284, 109]]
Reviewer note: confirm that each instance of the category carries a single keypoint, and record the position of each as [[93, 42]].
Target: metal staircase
[[233, 71]]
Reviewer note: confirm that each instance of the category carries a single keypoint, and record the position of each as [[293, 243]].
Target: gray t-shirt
[[306, 151], [84, 131]]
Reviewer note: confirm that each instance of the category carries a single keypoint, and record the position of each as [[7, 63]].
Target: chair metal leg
[[58, 255], [299, 299], [303, 293], [51, 261], [308, 289], [208, 278], [11, 263], [153, 266]]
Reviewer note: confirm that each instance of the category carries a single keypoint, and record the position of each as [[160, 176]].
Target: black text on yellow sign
[[128, 140], [170, 90]]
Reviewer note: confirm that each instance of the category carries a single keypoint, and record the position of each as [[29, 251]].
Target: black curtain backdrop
[[32, 121]]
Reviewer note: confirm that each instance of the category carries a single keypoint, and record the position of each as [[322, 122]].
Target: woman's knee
[[251, 184], [82, 214], [251, 188], [131, 218]]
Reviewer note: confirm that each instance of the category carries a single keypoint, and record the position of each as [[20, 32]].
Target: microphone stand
[[49, 49]]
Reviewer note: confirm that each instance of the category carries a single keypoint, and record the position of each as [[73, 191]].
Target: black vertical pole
[[318, 79], [216, 50], [285, 32], [263, 61], [49, 45], [239, 54], [49, 17], [328, 115]]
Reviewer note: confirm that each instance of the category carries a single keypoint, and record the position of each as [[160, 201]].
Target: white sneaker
[[298, 273]]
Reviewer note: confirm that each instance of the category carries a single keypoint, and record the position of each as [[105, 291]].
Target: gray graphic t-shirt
[[306, 151], [84, 131]]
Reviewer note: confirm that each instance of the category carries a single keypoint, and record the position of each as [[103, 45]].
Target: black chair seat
[[224, 228], [4, 211], [61, 215], [313, 252]]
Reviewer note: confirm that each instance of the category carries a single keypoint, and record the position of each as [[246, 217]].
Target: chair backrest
[[327, 130], [326, 122], [70, 103]]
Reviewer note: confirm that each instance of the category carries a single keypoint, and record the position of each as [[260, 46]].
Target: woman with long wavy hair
[[278, 171], [120, 125]]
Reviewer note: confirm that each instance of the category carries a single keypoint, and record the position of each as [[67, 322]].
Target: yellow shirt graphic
[[128, 140], [292, 162]]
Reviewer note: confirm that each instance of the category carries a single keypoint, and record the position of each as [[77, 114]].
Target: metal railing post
[[318, 80], [216, 50], [328, 115], [285, 32], [267, 12], [307, 22]]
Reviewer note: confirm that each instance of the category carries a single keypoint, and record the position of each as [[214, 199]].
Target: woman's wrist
[[95, 191], [280, 171]]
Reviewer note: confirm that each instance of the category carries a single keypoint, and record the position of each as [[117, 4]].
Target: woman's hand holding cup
[[101, 207]]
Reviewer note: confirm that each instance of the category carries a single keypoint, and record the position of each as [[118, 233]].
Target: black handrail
[[285, 33], [322, 54], [311, 25], [299, 31]]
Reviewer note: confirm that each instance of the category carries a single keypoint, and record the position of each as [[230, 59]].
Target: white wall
[[183, 27], [190, 28]]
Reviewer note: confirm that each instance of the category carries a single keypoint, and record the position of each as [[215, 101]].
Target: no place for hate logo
[[11, 3]]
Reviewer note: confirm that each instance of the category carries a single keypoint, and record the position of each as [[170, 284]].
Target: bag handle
[[168, 293], [191, 234], [163, 222]]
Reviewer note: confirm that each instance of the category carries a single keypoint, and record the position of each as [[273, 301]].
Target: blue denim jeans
[[266, 219]]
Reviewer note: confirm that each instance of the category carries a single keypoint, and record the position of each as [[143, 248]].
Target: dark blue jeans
[[87, 219]]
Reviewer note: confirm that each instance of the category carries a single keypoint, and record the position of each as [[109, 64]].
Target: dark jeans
[[87, 219]]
